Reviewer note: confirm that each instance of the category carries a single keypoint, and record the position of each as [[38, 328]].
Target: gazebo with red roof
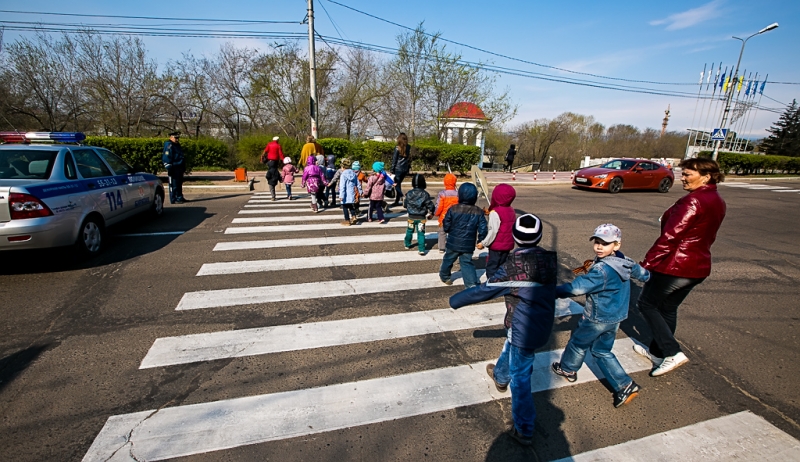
[[467, 118]]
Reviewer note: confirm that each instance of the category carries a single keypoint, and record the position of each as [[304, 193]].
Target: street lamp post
[[729, 97]]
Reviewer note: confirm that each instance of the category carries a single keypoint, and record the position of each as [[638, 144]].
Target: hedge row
[[746, 164], [146, 152], [426, 155]]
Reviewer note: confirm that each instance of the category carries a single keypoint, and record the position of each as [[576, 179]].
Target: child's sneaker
[[421, 252], [345, 223], [501, 387], [570, 376], [408, 247], [519, 437], [625, 395], [448, 282], [670, 363], [639, 349]]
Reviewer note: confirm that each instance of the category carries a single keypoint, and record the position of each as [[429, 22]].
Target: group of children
[[526, 276]]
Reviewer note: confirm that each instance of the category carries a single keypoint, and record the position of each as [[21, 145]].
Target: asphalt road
[[75, 333]]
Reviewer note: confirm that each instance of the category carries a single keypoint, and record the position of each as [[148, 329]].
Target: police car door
[[106, 192], [137, 192]]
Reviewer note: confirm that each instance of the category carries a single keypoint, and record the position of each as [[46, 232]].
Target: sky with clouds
[[646, 41]]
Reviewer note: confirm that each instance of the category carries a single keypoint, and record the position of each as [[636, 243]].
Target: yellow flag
[[725, 86], [739, 87]]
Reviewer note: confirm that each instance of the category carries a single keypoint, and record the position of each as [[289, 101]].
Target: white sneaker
[[670, 363], [646, 353]]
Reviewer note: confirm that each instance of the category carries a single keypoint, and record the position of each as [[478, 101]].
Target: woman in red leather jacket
[[680, 259]]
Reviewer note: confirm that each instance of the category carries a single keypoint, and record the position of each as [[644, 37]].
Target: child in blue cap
[[374, 191]]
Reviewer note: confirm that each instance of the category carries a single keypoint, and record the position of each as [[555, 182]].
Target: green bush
[[146, 152], [430, 155], [378, 151], [747, 164], [341, 148], [249, 150]]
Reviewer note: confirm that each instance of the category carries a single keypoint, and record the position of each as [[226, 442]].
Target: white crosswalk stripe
[[319, 227], [302, 218], [759, 187], [325, 261], [313, 241], [199, 428], [265, 340], [185, 430]]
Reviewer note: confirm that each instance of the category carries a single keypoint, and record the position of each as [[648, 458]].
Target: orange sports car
[[620, 174]]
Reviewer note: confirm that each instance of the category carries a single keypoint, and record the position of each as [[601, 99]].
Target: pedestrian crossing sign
[[719, 134]]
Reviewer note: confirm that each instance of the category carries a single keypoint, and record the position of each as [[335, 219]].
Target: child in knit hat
[[607, 287], [374, 191], [288, 176], [527, 281], [420, 207], [500, 239]]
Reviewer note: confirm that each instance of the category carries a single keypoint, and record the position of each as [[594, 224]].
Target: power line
[[151, 17]]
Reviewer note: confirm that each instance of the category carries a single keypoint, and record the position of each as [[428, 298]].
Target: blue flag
[[763, 84], [722, 80], [747, 90]]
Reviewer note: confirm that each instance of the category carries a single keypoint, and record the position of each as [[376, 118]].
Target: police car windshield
[[26, 164]]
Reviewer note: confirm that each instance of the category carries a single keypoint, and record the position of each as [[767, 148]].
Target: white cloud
[[691, 17]]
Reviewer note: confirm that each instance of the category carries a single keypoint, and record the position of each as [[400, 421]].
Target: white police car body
[[62, 194]]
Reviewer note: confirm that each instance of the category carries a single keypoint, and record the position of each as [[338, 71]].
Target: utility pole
[[312, 69], [665, 122], [735, 78]]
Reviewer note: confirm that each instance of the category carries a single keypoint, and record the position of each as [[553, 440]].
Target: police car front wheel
[[90, 237]]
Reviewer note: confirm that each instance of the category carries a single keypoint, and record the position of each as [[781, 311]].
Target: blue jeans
[[467, 267], [515, 367], [598, 338]]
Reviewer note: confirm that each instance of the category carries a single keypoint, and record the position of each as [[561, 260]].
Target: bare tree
[[359, 90]]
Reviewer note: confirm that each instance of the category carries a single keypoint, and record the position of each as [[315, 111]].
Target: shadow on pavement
[[13, 364], [549, 441], [117, 247]]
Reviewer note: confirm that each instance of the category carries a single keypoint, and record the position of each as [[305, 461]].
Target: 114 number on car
[[114, 201]]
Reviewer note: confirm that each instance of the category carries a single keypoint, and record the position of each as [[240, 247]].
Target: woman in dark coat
[[401, 165], [680, 259]]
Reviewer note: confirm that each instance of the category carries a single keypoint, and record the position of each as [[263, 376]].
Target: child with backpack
[[288, 176], [500, 239], [606, 284], [374, 191], [330, 171], [446, 199], [420, 206], [349, 189], [527, 281], [314, 181], [465, 225]]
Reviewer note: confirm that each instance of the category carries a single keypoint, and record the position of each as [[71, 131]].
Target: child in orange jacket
[[445, 200]]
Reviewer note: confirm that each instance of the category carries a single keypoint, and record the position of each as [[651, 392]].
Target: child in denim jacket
[[607, 287]]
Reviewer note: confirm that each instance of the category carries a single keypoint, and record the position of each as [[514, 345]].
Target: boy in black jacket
[[465, 225], [420, 206]]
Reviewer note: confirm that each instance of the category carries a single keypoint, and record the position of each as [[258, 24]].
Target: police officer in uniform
[[176, 166]]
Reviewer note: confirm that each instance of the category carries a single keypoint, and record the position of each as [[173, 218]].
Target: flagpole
[[696, 102], [715, 101], [751, 97], [743, 102], [761, 95], [728, 101]]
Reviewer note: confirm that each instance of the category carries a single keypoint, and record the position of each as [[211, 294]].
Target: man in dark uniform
[[510, 154], [176, 166]]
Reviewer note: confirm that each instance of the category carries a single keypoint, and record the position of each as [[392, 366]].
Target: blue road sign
[[719, 134]]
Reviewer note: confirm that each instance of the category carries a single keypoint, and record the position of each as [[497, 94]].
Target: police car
[[57, 192]]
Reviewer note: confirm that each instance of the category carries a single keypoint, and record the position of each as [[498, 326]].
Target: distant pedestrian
[[465, 225], [510, 154], [330, 171], [175, 164], [309, 149], [374, 191], [401, 166], [289, 171], [349, 188], [607, 287], [500, 239], [527, 281], [420, 207], [444, 200], [274, 176], [680, 259], [314, 182], [273, 154]]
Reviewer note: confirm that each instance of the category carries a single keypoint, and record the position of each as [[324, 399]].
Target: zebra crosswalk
[[224, 424], [760, 187]]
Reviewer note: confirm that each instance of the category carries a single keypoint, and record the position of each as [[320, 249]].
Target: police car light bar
[[59, 137]]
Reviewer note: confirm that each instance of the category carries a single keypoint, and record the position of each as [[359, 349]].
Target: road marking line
[[199, 428], [163, 233], [310, 290], [787, 190], [743, 436], [185, 349], [312, 241], [276, 206], [318, 227], [322, 261], [303, 210], [303, 218], [767, 187]]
